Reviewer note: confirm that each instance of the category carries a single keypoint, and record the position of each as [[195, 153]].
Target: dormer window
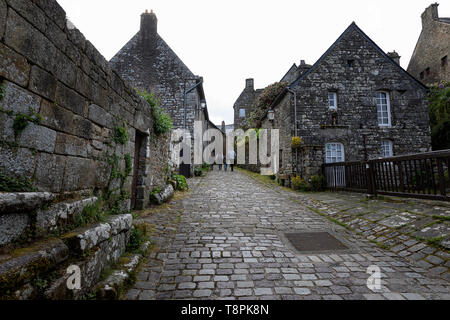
[[422, 75], [427, 71], [332, 100]]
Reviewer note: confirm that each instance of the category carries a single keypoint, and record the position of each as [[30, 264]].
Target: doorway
[[138, 146]]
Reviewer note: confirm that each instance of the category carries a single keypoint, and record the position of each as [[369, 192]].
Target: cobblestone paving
[[403, 225], [225, 241]]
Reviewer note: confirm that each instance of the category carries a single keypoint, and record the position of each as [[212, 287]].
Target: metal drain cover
[[314, 241]]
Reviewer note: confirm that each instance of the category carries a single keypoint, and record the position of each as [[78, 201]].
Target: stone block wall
[[430, 60], [51, 73]]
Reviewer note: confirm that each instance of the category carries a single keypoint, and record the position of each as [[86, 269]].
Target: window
[[444, 62], [334, 152], [350, 63], [386, 149], [332, 100], [427, 71], [383, 109], [241, 113], [421, 75]]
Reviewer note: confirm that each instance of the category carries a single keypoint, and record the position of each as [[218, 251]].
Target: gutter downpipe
[[295, 125], [185, 98]]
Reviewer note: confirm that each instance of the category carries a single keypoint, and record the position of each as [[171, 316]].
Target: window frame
[[388, 109], [391, 148], [335, 97], [338, 160], [240, 113]]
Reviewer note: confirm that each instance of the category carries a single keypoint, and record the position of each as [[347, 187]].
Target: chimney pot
[[149, 27], [249, 83], [394, 56]]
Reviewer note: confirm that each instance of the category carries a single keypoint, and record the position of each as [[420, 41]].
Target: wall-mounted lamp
[[271, 115]]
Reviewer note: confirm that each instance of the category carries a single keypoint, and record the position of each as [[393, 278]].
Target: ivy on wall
[[162, 123], [263, 103], [439, 110]]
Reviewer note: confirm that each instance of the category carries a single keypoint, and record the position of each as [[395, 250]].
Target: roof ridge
[[353, 26]]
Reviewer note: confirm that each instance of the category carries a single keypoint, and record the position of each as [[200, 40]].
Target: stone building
[[429, 62], [148, 63], [245, 103], [354, 103]]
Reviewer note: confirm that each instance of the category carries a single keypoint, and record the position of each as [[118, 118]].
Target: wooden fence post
[[371, 189], [441, 176]]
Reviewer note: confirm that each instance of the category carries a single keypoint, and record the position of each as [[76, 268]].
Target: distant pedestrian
[[219, 160], [231, 159], [225, 164], [212, 159]]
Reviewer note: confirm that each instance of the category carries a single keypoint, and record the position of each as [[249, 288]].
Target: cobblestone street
[[226, 240]]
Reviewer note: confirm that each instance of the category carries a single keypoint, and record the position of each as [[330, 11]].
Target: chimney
[[249, 84], [223, 126], [149, 27], [302, 62], [430, 14], [394, 56]]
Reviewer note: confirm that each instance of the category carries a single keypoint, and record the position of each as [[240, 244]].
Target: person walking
[[231, 158], [219, 160], [211, 162]]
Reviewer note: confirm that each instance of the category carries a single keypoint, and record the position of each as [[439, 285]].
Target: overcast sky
[[229, 41]]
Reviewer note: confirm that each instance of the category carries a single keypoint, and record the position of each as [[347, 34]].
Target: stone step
[[58, 215], [82, 240], [24, 201], [23, 265], [32, 215]]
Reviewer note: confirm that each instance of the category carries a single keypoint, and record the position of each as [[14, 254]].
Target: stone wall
[[52, 73], [433, 45]]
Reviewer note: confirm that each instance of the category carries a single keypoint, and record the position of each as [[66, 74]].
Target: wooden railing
[[424, 175]]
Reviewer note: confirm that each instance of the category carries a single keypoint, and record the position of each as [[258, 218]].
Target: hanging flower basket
[[296, 142]]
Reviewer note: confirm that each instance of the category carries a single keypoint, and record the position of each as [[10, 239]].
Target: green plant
[[297, 182], [198, 171], [296, 142], [317, 183], [181, 182], [155, 190], [21, 121], [162, 123], [128, 165], [439, 110], [15, 184], [139, 234], [92, 213], [120, 135], [262, 104]]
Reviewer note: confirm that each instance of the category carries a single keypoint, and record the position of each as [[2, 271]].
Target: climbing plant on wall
[[439, 110], [162, 123], [262, 104]]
